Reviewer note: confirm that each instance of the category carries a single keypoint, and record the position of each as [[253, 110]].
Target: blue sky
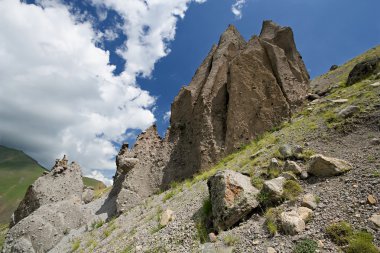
[[81, 77]]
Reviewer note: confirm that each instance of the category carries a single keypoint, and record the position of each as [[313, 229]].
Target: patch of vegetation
[[97, 224], [128, 249], [158, 218], [306, 246], [75, 246], [257, 182], [168, 195], [353, 241], [3, 232], [272, 216], [230, 240], [157, 249], [376, 174], [265, 199], [107, 232], [204, 221], [273, 172], [292, 190]]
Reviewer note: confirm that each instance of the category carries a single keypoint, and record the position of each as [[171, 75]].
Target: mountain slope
[[318, 129]]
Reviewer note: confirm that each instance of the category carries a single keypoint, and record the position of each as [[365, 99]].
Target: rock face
[[241, 90], [323, 166], [140, 170], [232, 198], [62, 183]]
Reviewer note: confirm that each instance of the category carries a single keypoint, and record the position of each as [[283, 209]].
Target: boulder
[[334, 67], [166, 217], [286, 151], [375, 141], [291, 223], [45, 227], [323, 166], [363, 70], [309, 201], [232, 198], [349, 111], [271, 250], [293, 167], [63, 182], [305, 213], [87, 195], [274, 188]]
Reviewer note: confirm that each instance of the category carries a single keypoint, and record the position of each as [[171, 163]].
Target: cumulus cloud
[[58, 91], [237, 8], [99, 176], [167, 116]]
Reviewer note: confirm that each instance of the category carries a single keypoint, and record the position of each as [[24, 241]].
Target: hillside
[[18, 171], [350, 198]]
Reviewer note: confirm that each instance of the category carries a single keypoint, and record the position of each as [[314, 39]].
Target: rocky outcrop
[[241, 90], [63, 182], [363, 70], [232, 198], [140, 170]]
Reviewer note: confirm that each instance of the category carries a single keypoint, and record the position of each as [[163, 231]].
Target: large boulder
[[363, 70], [232, 198], [45, 227], [292, 223], [323, 166], [274, 188], [63, 182]]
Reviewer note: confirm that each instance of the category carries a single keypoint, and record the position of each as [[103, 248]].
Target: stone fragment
[[166, 217], [375, 141], [323, 166], [304, 174], [293, 167], [232, 197], [87, 195], [274, 188], [305, 213], [340, 101], [349, 111], [212, 237], [371, 200], [310, 201], [291, 223], [271, 250], [377, 84], [375, 219]]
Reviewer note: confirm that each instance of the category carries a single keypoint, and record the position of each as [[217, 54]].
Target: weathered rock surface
[[323, 166], [87, 195], [43, 229], [348, 111], [63, 182], [375, 219], [304, 213], [232, 198], [309, 201], [166, 217], [363, 70], [140, 170], [292, 223], [241, 90], [274, 188], [293, 167]]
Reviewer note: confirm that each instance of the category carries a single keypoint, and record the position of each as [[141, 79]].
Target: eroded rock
[[309, 201], [291, 223], [323, 166], [363, 70], [274, 188]]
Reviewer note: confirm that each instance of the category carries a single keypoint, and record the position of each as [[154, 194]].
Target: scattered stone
[[334, 67], [293, 167], [340, 101], [309, 200], [304, 174], [297, 151], [363, 70], [289, 176], [377, 84], [256, 242], [286, 151], [320, 244], [87, 195], [349, 111], [375, 219], [274, 188], [271, 250], [253, 156], [323, 166], [166, 217], [375, 141], [274, 164], [291, 223], [371, 200], [212, 237], [232, 197], [305, 213]]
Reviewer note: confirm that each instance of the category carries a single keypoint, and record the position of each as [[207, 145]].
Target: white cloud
[[167, 115], [99, 176], [237, 8], [58, 92]]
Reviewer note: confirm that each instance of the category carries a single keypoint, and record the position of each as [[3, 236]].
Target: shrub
[[361, 242], [204, 221], [257, 182], [168, 195], [75, 245], [340, 232], [306, 246], [292, 190], [230, 240], [272, 216]]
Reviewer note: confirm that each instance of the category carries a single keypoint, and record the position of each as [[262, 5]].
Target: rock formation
[[241, 90], [62, 183]]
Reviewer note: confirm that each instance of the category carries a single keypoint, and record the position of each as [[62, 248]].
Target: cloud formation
[[237, 8], [58, 91]]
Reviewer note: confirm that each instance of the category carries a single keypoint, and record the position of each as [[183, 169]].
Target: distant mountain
[[17, 172]]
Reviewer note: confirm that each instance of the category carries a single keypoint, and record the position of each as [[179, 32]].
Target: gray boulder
[[232, 198], [274, 188], [292, 223], [323, 166], [63, 182], [349, 111], [309, 201], [293, 167]]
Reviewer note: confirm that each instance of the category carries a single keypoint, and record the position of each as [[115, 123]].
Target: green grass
[[292, 190], [203, 222], [306, 246], [353, 241], [17, 172], [230, 240], [75, 245], [271, 223], [3, 232]]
